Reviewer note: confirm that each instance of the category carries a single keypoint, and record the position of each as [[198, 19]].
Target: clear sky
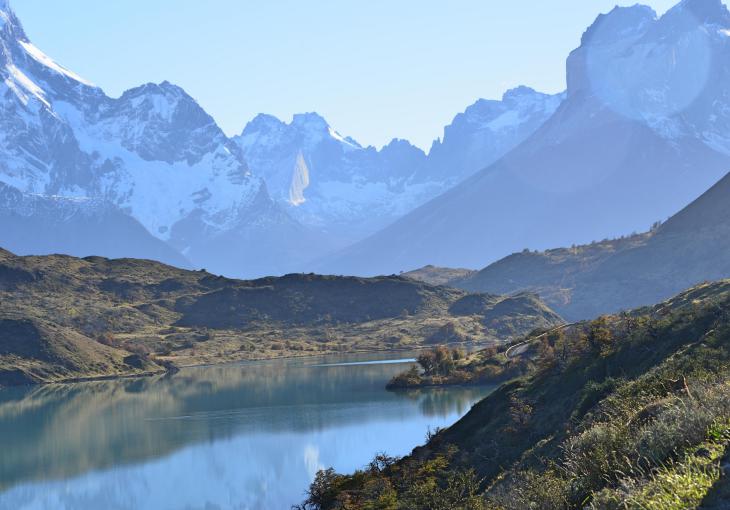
[[375, 69]]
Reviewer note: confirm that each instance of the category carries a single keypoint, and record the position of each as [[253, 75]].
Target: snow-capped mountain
[[644, 130], [153, 153], [488, 130], [670, 73], [53, 224], [331, 182]]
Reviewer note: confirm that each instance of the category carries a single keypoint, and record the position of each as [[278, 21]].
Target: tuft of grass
[[684, 483]]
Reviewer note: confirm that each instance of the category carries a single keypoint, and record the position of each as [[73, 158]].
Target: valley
[[531, 313]]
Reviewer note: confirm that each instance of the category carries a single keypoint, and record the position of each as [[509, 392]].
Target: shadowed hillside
[[63, 318], [583, 281]]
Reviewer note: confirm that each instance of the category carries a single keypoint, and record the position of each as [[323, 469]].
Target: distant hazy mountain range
[[265, 202], [331, 182], [644, 130]]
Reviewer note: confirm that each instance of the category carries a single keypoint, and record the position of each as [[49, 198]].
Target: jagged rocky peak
[[619, 24], [691, 20], [610, 34], [400, 144], [402, 158], [161, 122], [521, 93], [263, 122], [161, 100], [529, 100], [650, 68], [302, 122], [313, 128], [703, 12], [306, 130], [310, 121], [516, 105], [9, 22], [33, 77]]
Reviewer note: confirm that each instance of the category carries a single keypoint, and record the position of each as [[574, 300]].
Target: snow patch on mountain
[[47, 61], [24, 88], [153, 153], [489, 129], [666, 71], [300, 181], [330, 181], [320, 176]]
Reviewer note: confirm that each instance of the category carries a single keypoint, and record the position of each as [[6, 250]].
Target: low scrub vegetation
[[629, 411], [128, 317]]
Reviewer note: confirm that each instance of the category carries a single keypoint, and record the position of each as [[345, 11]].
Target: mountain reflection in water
[[244, 436]]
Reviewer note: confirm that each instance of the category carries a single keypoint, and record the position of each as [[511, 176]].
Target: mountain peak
[[164, 88], [619, 23], [170, 92], [310, 121], [263, 122], [700, 12], [9, 24], [517, 92]]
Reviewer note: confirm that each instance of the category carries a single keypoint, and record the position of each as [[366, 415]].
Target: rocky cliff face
[[643, 132], [329, 181]]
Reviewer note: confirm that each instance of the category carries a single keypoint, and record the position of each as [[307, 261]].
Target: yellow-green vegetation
[[684, 483], [64, 318], [444, 366], [626, 411]]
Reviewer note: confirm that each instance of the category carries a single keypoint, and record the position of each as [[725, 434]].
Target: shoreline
[[176, 368]]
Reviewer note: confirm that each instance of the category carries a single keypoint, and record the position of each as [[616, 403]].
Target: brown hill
[[63, 317]]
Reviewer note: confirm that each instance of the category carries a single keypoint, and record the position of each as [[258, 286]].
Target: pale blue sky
[[375, 69]]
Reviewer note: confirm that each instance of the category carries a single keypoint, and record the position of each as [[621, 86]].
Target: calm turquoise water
[[248, 436]]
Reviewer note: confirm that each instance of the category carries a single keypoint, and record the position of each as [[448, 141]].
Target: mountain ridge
[[329, 181], [611, 275], [152, 153], [268, 201], [586, 172], [64, 318]]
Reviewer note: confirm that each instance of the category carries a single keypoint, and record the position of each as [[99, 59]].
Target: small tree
[[444, 361], [546, 355], [600, 336], [427, 360], [323, 491], [561, 346], [520, 411]]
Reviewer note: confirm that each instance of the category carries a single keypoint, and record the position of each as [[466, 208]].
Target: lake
[[243, 436]]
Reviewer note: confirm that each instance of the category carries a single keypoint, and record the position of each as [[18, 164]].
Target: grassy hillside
[[626, 411], [604, 277], [64, 318], [438, 275]]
